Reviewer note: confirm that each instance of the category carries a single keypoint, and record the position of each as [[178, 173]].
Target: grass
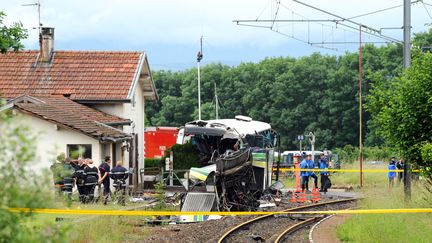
[[386, 227], [109, 229], [416, 227], [91, 228]]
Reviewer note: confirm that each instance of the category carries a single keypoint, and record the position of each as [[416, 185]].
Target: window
[[76, 151]]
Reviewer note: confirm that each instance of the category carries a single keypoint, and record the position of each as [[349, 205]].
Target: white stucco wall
[[135, 112], [115, 109], [51, 141]]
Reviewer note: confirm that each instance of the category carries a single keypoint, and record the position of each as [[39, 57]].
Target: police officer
[[67, 174], [80, 177], [119, 174], [311, 165], [92, 178], [324, 174], [400, 166], [304, 175], [104, 170], [391, 173]]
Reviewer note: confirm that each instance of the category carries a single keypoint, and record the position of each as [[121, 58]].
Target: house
[[82, 103]]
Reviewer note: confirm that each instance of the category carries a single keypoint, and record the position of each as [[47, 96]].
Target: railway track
[[278, 227]]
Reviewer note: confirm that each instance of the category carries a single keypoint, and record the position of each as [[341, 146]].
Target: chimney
[[46, 42]]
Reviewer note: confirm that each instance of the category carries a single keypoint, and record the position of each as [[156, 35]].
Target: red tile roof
[[77, 117], [82, 75], [66, 104]]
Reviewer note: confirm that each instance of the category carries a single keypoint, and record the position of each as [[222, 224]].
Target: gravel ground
[[212, 230], [268, 229]]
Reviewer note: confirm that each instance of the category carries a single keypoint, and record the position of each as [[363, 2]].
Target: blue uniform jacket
[[119, 173], [310, 165], [323, 165], [304, 165], [392, 174]]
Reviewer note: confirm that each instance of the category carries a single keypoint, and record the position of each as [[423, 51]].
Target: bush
[[21, 188], [349, 153], [185, 156], [153, 162]]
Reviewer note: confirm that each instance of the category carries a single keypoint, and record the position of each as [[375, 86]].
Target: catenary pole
[[407, 64], [407, 34]]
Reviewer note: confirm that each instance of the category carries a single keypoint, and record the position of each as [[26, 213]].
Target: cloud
[[177, 25]]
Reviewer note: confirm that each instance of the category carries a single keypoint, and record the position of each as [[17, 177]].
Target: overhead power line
[[336, 22], [367, 28], [427, 10], [382, 10]]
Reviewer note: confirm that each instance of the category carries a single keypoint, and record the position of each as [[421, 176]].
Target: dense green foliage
[[185, 156], [153, 162], [402, 109], [350, 154], [317, 93], [21, 188], [10, 37]]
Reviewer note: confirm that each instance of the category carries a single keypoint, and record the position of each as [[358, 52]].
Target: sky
[[169, 31]]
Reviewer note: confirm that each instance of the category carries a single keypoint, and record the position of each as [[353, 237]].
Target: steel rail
[[295, 227], [237, 227]]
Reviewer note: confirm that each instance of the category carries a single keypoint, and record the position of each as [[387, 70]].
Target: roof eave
[[101, 101], [99, 138], [148, 94], [122, 123]]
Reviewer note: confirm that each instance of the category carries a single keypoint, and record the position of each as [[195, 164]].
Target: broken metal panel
[[199, 202], [209, 131], [201, 173], [237, 158]]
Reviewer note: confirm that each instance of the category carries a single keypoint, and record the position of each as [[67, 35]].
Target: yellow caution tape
[[342, 170], [177, 213]]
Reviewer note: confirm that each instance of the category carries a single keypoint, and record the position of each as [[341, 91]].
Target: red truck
[[158, 139]]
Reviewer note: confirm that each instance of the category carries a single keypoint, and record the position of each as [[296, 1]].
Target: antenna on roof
[[39, 13]]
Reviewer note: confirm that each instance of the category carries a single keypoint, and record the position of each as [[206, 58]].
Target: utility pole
[[199, 58], [407, 34], [407, 64], [216, 102], [361, 107], [312, 142]]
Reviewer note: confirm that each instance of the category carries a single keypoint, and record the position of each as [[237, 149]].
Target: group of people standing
[[393, 165], [86, 176], [309, 163]]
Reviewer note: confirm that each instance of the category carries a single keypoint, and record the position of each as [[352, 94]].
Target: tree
[[21, 188], [10, 37], [402, 110], [316, 93]]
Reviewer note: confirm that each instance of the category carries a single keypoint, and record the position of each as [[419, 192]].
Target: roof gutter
[[100, 101], [124, 123], [114, 140]]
